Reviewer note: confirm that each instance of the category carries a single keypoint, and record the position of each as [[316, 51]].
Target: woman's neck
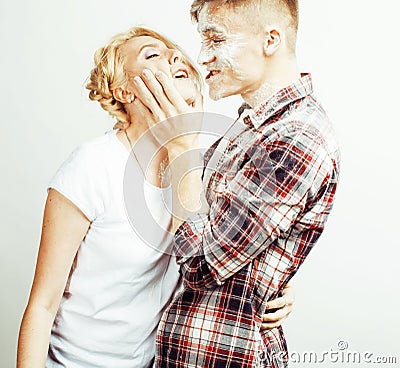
[[153, 159]]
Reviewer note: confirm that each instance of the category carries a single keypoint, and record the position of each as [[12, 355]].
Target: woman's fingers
[[278, 309], [271, 325], [288, 293], [275, 319], [287, 298], [276, 303], [277, 315]]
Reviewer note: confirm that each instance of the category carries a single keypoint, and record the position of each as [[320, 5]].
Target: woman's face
[[145, 52]]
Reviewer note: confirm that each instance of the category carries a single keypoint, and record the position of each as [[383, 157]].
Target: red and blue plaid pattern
[[270, 183]]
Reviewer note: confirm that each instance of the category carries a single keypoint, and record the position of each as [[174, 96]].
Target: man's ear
[[122, 95], [272, 41]]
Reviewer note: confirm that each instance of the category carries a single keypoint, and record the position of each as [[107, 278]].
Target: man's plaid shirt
[[270, 184]]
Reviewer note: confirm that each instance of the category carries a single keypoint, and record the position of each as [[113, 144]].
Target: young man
[[269, 183]]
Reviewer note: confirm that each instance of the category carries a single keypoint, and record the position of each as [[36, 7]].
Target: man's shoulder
[[304, 121]]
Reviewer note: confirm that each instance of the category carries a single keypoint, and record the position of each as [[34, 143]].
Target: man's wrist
[[178, 146]]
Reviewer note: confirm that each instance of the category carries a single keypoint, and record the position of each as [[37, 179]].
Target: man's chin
[[216, 95], [219, 91]]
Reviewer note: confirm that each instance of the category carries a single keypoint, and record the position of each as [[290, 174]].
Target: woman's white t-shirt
[[119, 284]]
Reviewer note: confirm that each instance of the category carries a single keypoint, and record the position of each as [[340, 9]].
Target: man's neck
[[281, 74]]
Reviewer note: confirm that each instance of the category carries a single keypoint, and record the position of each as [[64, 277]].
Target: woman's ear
[[122, 95], [272, 41]]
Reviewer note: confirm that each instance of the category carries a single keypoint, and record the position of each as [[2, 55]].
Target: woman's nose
[[175, 56]]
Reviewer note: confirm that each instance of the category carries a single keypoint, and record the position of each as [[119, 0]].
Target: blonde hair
[[109, 73]]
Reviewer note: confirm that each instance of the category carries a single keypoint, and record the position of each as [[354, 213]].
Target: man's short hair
[[285, 11]]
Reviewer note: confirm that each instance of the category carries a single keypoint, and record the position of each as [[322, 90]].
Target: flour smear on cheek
[[223, 56]]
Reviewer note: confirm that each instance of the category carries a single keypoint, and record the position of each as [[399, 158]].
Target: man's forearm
[[188, 195]]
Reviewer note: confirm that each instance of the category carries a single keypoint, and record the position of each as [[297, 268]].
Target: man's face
[[231, 50]]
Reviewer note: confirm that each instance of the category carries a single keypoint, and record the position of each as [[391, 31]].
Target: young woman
[[99, 289]]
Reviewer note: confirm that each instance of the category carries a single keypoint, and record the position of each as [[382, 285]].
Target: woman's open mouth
[[181, 73]]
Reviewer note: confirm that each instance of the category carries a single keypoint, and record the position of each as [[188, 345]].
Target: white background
[[348, 287]]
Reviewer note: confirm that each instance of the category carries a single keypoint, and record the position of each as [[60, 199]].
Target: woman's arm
[[64, 227]]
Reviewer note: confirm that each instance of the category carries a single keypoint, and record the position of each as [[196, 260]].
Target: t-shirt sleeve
[[79, 179]]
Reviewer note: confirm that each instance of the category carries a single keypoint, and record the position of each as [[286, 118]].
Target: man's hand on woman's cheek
[[157, 93]]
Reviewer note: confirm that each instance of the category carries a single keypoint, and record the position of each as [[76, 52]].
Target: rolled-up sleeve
[[257, 205]]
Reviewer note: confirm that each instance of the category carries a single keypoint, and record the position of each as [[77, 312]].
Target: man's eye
[[217, 41]]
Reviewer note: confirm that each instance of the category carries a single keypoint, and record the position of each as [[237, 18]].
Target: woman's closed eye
[[151, 54]]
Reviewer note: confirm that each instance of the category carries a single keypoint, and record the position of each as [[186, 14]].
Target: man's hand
[[278, 309], [167, 110], [175, 124]]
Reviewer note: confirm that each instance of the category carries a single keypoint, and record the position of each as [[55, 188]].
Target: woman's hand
[[169, 116], [278, 309]]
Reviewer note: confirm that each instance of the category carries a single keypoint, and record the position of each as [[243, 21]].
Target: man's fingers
[[172, 93], [157, 90], [198, 101], [144, 113], [147, 98]]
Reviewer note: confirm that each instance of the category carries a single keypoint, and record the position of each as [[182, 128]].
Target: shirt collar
[[297, 90]]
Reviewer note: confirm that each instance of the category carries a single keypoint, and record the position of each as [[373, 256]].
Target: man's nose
[[206, 56]]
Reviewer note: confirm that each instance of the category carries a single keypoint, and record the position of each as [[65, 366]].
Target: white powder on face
[[223, 56]]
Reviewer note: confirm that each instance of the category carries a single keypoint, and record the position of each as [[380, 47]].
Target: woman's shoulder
[[96, 145], [80, 178], [97, 150], [90, 156]]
